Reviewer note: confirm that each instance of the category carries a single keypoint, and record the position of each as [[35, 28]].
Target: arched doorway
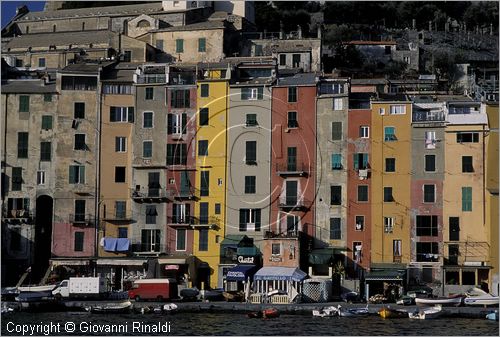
[[43, 236]]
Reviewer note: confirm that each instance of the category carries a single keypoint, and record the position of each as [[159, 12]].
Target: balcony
[[396, 259], [181, 78], [118, 216], [423, 116], [292, 169], [189, 193], [294, 203], [181, 220], [145, 194], [17, 216], [211, 222], [282, 235], [81, 219], [147, 249], [152, 79]]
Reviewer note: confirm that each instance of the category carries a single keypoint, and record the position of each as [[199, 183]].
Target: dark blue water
[[239, 324]]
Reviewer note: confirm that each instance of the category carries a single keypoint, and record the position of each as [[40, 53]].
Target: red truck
[[153, 289]]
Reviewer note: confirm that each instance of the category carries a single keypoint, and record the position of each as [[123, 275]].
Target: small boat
[[37, 288], [426, 313], [34, 296], [270, 313], [330, 311], [405, 300], [387, 312], [493, 316], [443, 301], [476, 296], [352, 311], [170, 307], [112, 308]]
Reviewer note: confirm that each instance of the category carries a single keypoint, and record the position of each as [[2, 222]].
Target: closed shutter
[[336, 130]]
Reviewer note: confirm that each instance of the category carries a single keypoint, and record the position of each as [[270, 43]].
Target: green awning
[[232, 240], [248, 251], [385, 275], [324, 255]]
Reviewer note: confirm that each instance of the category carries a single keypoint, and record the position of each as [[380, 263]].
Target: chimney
[[299, 31], [430, 26], [414, 24]]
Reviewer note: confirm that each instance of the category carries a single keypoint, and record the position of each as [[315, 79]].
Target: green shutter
[[355, 161], [179, 46], [336, 130], [260, 93], [184, 123], [82, 174], [130, 114], [467, 199], [24, 103], [202, 44], [72, 174], [244, 94], [46, 122], [365, 160]]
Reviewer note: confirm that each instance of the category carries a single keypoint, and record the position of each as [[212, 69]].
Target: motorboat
[[387, 312], [330, 311], [270, 313], [170, 307], [426, 313], [350, 312], [493, 316], [405, 300], [476, 296], [112, 308], [34, 296], [37, 288], [443, 301]]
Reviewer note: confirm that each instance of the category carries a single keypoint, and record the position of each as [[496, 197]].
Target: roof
[[27, 86], [137, 9], [371, 43], [118, 75], [85, 67], [194, 26], [368, 81], [280, 273], [392, 98], [304, 79], [252, 82], [468, 119], [61, 38]]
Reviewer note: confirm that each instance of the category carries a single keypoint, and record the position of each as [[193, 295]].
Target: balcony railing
[[281, 235], [181, 78], [292, 169], [294, 203], [147, 249], [143, 194], [17, 216], [181, 220], [428, 116], [151, 78], [82, 219], [210, 221], [118, 216], [183, 193]]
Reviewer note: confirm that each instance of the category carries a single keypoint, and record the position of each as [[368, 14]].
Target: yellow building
[[390, 164], [492, 192], [212, 100]]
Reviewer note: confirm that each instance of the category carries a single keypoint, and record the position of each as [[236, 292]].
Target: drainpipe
[[4, 168], [484, 180], [98, 168]]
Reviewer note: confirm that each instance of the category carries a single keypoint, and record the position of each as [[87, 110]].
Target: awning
[[232, 240], [69, 262], [120, 262], [280, 274], [248, 251], [172, 260], [324, 255], [385, 275], [240, 272]]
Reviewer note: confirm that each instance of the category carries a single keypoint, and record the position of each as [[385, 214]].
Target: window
[[335, 229], [292, 224], [467, 164], [292, 119], [205, 183], [47, 98], [204, 90], [250, 220], [204, 116], [364, 131], [467, 199], [151, 214], [77, 174], [336, 161], [291, 188], [427, 225], [176, 154], [154, 186], [180, 241], [360, 161], [336, 130], [251, 152], [430, 140], [381, 111], [180, 99], [335, 195], [430, 163], [45, 151], [176, 124], [19, 63], [147, 119], [150, 240], [122, 232], [202, 46], [46, 122], [120, 209], [40, 177], [359, 221], [398, 110], [80, 210], [117, 89], [80, 142], [467, 137], [79, 110], [363, 193], [41, 62], [22, 145], [181, 213], [127, 56], [427, 252], [159, 44], [252, 93], [119, 174], [79, 83], [24, 103], [390, 164], [296, 60], [276, 249], [388, 224], [203, 242], [203, 213], [282, 59], [17, 178], [388, 194], [250, 184], [429, 193], [149, 93], [389, 134], [291, 159], [120, 144], [147, 149], [292, 94], [396, 248], [121, 114], [251, 120], [406, 59], [179, 45], [338, 104], [258, 50], [203, 148], [217, 208], [454, 228], [79, 237]]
